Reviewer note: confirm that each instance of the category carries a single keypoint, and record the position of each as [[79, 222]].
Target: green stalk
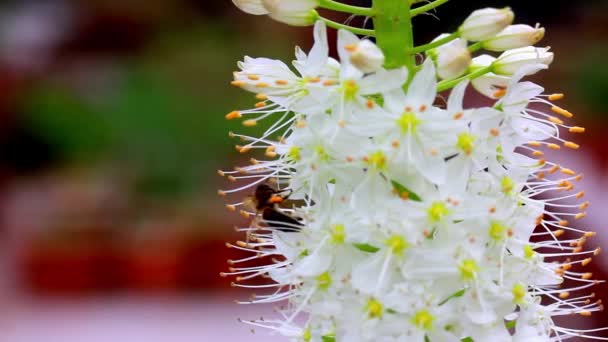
[[445, 85], [340, 7], [394, 35], [427, 7], [476, 46], [355, 30], [436, 43]]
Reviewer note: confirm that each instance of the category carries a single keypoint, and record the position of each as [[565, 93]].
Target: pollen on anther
[[494, 132], [281, 82], [597, 251], [554, 146], [556, 96], [564, 295], [556, 120], [328, 83], [500, 93], [233, 115], [568, 172], [231, 207], [253, 77], [586, 261], [422, 108], [250, 123], [300, 124], [260, 104], [577, 129], [571, 145], [395, 143], [221, 193], [583, 205], [538, 153], [261, 97], [350, 47], [534, 143], [231, 178], [559, 232], [458, 115], [370, 104], [237, 83], [561, 111]]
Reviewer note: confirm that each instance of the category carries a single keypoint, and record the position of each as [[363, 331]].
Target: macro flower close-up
[[386, 207]]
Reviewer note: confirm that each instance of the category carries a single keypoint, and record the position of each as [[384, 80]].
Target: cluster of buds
[[490, 29], [381, 215]]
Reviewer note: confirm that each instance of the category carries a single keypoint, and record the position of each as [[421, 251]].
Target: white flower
[[254, 7], [366, 56], [400, 215], [485, 23], [292, 12], [452, 59], [515, 36], [511, 61]]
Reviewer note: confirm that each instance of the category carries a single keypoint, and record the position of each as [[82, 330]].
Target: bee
[[266, 201]]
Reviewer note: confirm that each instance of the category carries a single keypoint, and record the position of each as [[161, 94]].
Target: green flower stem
[[475, 47], [436, 43], [393, 25], [427, 7], [444, 85], [340, 7], [355, 30]]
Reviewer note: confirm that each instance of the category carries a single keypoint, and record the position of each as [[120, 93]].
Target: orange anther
[[587, 275], [260, 104], [237, 83], [556, 120], [262, 85], [580, 215], [261, 97], [561, 111], [554, 146], [494, 132], [534, 143], [370, 104], [281, 82], [564, 295], [328, 83], [458, 115], [586, 261], [563, 223], [555, 97], [250, 123], [233, 115], [577, 129], [567, 171], [590, 234], [350, 47], [253, 77], [500, 93], [537, 153], [580, 194], [571, 145]]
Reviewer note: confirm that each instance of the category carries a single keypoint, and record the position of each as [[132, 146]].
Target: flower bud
[[513, 60], [485, 23], [254, 7], [292, 12], [367, 57], [452, 59], [515, 36]]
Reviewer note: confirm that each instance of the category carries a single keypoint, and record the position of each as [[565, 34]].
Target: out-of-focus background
[[112, 128]]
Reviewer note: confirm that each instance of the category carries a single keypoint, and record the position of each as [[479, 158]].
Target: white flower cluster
[[413, 218]]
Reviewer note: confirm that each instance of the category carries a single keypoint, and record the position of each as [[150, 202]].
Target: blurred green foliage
[[163, 118]]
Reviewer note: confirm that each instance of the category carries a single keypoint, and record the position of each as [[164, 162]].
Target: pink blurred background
[[111, 129]]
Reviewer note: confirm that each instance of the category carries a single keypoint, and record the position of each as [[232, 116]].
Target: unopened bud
[[367, 57], [292, 12], [515, 36], [485, 23], [452, 59], [513, 60], [254, 7]]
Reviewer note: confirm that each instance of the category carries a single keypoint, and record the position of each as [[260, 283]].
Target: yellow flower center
[[529, 252], [374, 308], [468, 269], [324, 281], [408, 122], [377, 160], [397, 244], [423, 320], [294, 153], [338, 235], [466, 142], [438, 211], [497, 230], [519, 293], [350, 88]]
